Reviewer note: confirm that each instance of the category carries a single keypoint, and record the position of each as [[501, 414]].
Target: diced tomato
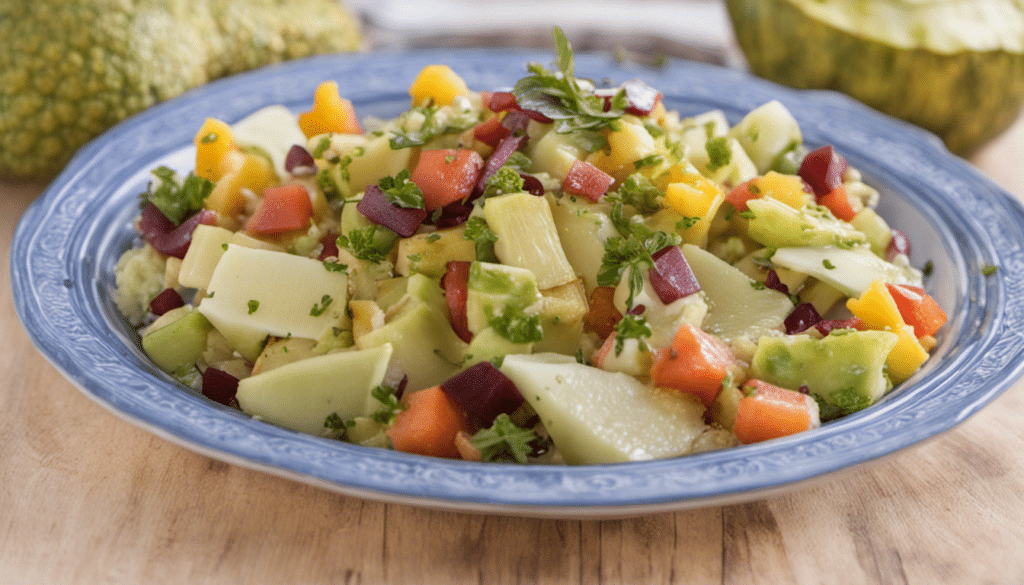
[[447, 175], [455, 283], [767, 411], [283, 209], [838, 203], [740, 194], [586, 180], [696, 362], [917, 308]]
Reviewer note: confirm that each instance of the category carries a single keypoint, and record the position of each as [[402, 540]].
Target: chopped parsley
[[335, 423], [988, 269], [253, 306], [828, 264], [388, 398], [433, 238], [506, 180], [321, 147], [631, 327], [516, 325], [638, 191], [364, 244], [331, 266], [400, 191], [505, 441], [321, 307], [478, 232], [719, 153], [177, 201], [629, 256], [687, 223]]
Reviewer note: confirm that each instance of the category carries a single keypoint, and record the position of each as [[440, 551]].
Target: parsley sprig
[[402, 192], [561, 97], [177, 201], [365, 245], [628, 257], [507, 442]]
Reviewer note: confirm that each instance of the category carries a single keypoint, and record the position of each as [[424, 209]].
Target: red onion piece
[[455, 283], [532, 185], [772, 281], [498, 159], [642, 97], [176, 242], [167, 300], [219, 386], [826, 326], [803, 317], [375, 206], [671, 277], [483, 392], [298, 161], [453, 214]]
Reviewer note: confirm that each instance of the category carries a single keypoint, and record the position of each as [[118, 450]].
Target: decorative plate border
[[67, 242]]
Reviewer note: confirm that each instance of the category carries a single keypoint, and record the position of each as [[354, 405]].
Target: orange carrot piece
[[696, 362], [917, 308], [428, 425], [767, 411], [447, 175], [330, 113], [838, 203], [602, 316], [740, 194], [283, 209]]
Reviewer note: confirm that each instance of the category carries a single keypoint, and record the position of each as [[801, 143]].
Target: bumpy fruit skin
[[924, 62], [70, 69]]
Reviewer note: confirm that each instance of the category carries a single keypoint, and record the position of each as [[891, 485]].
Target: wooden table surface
[[87, 498]]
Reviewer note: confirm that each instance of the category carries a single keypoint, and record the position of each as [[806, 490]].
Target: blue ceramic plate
[[66, 246]]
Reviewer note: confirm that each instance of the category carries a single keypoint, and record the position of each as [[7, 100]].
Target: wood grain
[[86, 498]]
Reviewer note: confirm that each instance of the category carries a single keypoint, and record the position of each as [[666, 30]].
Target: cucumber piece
[[845, 371], [583, 228], [777, 225], [528, 238], [583, 408], [850, 271], [180, 342], [768, 134], [874, 228]]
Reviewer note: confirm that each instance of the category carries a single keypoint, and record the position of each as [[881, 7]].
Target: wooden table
[[87, 498]]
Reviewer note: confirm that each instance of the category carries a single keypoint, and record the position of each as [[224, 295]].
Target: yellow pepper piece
[[239, 170], [876, 308], [213, 141], [788, 189], [437, 84], [907, 357], [630, 143], [331, 113], [697, 199]]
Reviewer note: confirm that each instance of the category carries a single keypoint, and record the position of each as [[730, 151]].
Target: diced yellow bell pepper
[[213, 141], [331, 113], [697, 199], [629, 143], [239, 170], [876, 308], [907, 357], [437, 84], [788, 189]]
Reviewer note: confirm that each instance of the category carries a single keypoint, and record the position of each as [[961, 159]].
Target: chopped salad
[[562, 272]]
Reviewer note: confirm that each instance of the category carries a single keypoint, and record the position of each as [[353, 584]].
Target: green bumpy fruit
[[954, 67], [70, 69]]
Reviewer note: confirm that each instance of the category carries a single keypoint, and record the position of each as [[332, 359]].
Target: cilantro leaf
[[507, 442], [177, 201], [400, 191]]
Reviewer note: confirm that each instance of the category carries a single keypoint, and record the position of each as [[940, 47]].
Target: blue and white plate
[[66, 246]]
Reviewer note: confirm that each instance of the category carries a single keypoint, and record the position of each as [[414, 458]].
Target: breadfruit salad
[[560, 272]]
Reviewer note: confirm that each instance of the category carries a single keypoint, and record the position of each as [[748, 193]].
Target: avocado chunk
[[80, 66], [844, 371], [583, 408], [180, 342], [301, 395]]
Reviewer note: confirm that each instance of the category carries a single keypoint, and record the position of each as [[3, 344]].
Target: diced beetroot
[[498, 159], [772, 281], [329, 246], [152, 222], [176, 242], [516, 121], [671, 277], [586, 180], [803, 317], [483, 392], [219, 386], [375, 206], [455, 283], [298, 161], [167, 300], [453, 214], [899, 244], [823, 170], [491, 131], [531, 184], [825, 326]]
